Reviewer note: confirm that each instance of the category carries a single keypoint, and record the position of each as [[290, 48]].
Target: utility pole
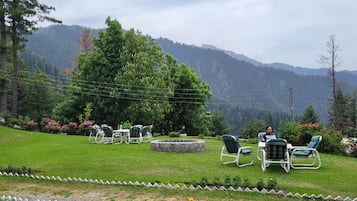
[[291, 104]]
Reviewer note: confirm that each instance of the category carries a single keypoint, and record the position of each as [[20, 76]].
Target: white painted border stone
[[168, 186]]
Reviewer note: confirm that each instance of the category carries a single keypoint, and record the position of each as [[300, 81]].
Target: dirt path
[[34, 191], [39, 191]]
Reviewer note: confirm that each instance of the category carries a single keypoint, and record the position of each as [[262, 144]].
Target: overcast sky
[[294, 32]]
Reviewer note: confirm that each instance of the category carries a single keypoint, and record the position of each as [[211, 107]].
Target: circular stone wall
[[179, 145]]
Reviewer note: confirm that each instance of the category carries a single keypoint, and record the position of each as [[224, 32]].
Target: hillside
[[239, 82]]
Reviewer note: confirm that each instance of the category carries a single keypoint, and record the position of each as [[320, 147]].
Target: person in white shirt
[[269, 133]]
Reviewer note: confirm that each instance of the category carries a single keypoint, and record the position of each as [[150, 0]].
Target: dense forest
[[241, 90]]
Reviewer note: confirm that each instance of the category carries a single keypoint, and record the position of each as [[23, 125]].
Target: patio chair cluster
[[105, 134], [274, 151]]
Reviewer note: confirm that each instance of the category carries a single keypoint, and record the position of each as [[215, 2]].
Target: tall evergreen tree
[[310, 115], [341, 110], [23, 15], [37, 97], [3, 58]]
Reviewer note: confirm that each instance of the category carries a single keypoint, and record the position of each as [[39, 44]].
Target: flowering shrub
[[83, 127], [51, 126], [31, 125], [70, 128], [299, 134], [306, 131], [350, 131]]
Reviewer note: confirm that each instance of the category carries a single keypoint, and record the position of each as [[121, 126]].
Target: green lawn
[[72, 156]]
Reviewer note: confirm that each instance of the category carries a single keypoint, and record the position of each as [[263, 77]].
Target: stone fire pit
[[178, 145]]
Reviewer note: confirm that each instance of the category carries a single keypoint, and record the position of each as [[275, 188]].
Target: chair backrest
[[314, 143], [261, 136], [146, 130], [134, 131], [231, 143], [108, 131], [93, 131], [276, 148]]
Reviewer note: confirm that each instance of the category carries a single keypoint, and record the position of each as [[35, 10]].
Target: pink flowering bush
[[31, 125], [50, 126], [71, 128], [83, 127]]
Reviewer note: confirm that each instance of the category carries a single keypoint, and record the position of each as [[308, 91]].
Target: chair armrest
[[302, 148], [247, 147]]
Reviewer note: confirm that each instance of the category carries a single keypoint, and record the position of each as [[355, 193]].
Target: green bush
[[217, 182], [204, 181], [227, 181], [236, 181], [288, 131], [174, 134], [9, 120], [253, 140], [13, 170], [350, 131], [260, 184], [127, 124], [272, 183], [300, 134], [331, 142], [246, 183]]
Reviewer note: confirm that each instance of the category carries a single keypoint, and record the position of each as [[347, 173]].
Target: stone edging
[[169, 186]]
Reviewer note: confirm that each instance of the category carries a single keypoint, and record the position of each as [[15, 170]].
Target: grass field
[[72, 156]]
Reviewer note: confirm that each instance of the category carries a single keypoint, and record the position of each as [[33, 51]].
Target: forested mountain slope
[[239, 83]]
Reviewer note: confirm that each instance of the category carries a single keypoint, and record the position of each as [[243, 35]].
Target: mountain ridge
[[240, 82]]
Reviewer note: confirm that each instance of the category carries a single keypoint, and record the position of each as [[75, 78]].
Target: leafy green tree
[[123, 78], [64, 111], [288, 130], [144, 82], [188, 101], [127, 77], [253, 128], [218, 125], [94, 80], [309, 116]]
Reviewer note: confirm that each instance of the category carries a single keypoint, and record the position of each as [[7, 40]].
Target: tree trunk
[[3, 80], [14, 73]]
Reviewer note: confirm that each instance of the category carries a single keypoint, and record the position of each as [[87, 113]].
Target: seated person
[[269, 133]]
